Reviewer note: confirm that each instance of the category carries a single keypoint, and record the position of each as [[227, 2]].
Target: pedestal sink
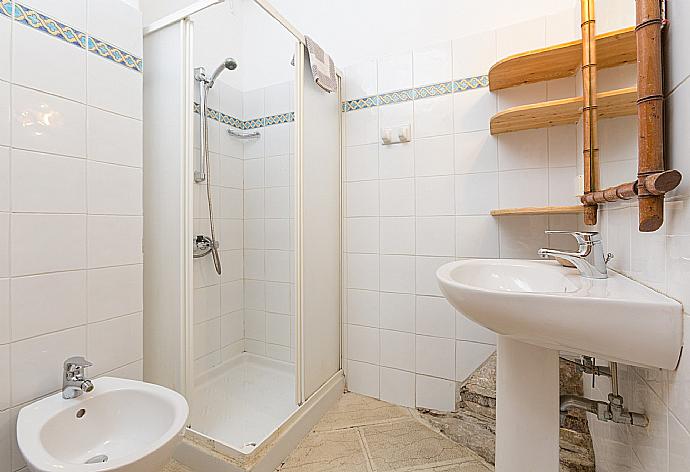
[[122, 425], [539, 308]]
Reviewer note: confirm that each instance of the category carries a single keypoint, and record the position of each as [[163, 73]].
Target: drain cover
[[97, 459]]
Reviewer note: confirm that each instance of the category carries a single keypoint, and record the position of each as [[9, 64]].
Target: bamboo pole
[[589, 110], [653, 184], [650, 102]]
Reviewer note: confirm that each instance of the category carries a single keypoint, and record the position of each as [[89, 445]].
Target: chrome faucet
[[74, 382], [589, 258]]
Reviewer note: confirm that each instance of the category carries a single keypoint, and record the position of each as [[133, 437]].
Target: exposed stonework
[[473, 424]]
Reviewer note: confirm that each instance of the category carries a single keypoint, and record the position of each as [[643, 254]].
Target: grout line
[[365, 449]]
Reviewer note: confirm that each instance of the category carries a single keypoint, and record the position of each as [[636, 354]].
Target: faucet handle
[[583, 237], [75, 363]]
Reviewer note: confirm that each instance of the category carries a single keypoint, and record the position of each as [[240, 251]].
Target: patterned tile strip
[[426, 91], [248, 124], [45, 24]]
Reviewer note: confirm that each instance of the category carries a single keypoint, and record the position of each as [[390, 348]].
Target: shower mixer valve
[[203, 245]]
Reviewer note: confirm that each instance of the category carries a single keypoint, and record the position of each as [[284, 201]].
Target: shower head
[[229, 64]]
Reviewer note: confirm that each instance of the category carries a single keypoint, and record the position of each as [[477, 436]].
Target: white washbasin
[[135, 425], [545, 304]]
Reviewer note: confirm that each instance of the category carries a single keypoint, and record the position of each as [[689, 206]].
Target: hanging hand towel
[[322, 67]]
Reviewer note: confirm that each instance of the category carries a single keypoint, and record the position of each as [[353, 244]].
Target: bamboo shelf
[[611, 104], [554, 210], [563, 60]]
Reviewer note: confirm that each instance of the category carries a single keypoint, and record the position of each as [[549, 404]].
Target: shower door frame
[[188, 370]]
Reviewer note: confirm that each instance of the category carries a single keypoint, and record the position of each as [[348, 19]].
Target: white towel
[[322, 67]]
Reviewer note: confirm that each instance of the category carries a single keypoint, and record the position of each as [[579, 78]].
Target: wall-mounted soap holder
[[401, 134]]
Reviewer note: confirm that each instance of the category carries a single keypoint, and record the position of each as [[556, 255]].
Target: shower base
[[250, 399], [243, 401]]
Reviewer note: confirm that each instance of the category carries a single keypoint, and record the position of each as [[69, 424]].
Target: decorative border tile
[[426, 91], [45, 24], [248, 124], [115, 54]]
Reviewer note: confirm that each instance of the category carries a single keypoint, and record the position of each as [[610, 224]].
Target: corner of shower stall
[[243, 232]]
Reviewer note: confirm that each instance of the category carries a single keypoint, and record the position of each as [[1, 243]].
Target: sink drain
[[99, 459]]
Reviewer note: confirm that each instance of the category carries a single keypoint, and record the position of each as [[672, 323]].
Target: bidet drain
[[97, 459]]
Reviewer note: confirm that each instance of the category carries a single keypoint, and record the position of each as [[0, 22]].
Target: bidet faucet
[[74, 382], [589, 258]]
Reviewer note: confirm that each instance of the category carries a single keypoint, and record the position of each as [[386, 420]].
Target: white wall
[[70, 206]]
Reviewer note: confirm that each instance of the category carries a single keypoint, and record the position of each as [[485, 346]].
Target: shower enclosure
[[242, 229]]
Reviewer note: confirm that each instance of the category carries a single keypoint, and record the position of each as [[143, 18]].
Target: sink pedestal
[[527, 403]]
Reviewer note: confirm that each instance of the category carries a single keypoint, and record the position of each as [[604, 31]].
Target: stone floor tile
[[404, 444], [174, 466], [326, 451], [358, 410], [466, 467]]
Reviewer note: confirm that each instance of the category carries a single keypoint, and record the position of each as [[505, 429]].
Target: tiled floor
[[361, 434]]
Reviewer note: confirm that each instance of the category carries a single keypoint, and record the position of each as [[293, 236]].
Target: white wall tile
[[475, 152], [231, 296], [278, 139], [5, 113], [433, 64], [47, 243], [523, 95], [474, 55], [563, 145], [397, 350], [426, 267], [114, 240], [231, 328], [360, 80], [46, 123], [434, 393], [520, 237], [206, 303], [277, 172], [363, 378], [435, 356], [521, 37], [523, 188], [434, 156], [435, 236], [476, 236], [476, 194], [397, 273], [363, 235], [116, 22], [114, 291], [278, 329], [395, 72], [397, 387], [468, 330], [397, 197], [5, 54], [47, 183], [34, 54], [278, 202], [254, 173], [523, 150], [43, 356], [395, 115], [469, 356], [4, 388], [435, 196], [362, 162], [4, 244], [114, 189], [75, 16], [115, 342], [4, 179], [396, 161], [4, 311], [434, 317], [433, 116], [397, 235], [46, 303], [363, 198], [473, 109], [278, 234], [363, 307], [279, 98], [362, 126], [363, 271], [278, 297], [397, 311], [114, 88], [363, 344]]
